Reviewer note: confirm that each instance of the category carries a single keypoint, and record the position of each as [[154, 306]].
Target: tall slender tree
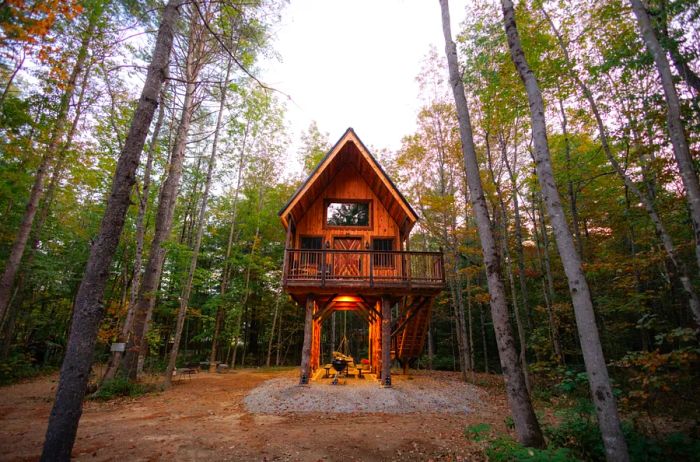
[[601, 391], [88, 310], [526, 425], [194, 62], [201, 221], [47, 159], [674, 121]]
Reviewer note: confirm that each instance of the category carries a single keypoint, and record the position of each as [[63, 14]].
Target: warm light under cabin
[[347, 248]]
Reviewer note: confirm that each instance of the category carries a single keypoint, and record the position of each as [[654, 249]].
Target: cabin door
[[347, 264]]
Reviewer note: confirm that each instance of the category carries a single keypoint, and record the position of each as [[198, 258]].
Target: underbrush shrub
[[19, 366], [576, 437], [505, 449], [663, 380], [119, 387], [442, 363], [578, 432]]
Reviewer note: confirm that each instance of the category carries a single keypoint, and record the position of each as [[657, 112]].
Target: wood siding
[[348, 184]]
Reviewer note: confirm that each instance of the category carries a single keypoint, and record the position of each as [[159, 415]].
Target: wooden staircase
[[408, 335]]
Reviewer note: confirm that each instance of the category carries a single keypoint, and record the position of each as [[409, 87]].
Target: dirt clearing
[[206, 418]]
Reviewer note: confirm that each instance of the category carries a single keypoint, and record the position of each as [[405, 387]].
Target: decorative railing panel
[[363, 268]]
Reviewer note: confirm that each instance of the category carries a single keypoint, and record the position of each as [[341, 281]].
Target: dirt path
[[205, 418]]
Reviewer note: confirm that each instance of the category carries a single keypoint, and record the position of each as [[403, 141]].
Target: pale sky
[[353, 64]]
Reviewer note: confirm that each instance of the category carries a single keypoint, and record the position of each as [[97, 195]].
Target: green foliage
[[578, 431], [505, 449], [573, 383], [672, 369], [478, 432], [16, 367], [119, 387]]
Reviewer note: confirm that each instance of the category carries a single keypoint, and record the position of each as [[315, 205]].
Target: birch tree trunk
[[187, 289], [518, 232], [601, 391], [506, 258], [526, 425], [676, 130], [88, 309]]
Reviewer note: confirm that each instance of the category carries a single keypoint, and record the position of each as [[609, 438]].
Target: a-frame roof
[[350, 150]]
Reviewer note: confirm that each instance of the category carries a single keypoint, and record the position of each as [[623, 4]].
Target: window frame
[[329, 201]]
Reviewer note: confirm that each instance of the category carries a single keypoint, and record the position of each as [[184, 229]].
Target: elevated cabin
[[347, 248]]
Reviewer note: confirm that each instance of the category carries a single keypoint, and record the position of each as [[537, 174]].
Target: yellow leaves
[[653, 373], [110, 328]]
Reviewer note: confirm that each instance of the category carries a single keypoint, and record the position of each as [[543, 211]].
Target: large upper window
[[347, 214]]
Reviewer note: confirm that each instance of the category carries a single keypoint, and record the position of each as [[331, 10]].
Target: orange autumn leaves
[[30, 22]]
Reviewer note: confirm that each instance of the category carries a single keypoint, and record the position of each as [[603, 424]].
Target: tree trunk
[[166, 207], [430, 347], [20, 290], [526, 425], [226, 273], [679, 61], [506, 257], [676, 129], [547, 282], [305, 372], [279, 341], [484, 345], [88, 309], [20, 242], [386, 342], [115, 358], [518, 234], [272, 331], [601, 391], [187, 289], [570, 184]]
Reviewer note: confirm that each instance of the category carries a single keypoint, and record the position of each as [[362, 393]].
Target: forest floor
[[206, 418]]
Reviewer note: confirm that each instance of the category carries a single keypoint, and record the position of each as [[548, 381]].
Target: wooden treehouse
[[347, 248]]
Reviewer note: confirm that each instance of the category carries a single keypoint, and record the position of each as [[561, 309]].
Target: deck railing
[[330, 267]]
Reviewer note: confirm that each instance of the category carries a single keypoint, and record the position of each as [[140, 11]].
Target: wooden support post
[[287, 245], [306, 350], [386, 342], [316, 345]]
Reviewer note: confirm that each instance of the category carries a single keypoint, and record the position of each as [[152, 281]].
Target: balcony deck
[[368, 271]]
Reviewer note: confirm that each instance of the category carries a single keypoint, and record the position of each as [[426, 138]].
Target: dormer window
[[347, 213]]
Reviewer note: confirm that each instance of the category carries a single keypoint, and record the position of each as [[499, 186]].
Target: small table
[[328, 368], [359, 373]]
